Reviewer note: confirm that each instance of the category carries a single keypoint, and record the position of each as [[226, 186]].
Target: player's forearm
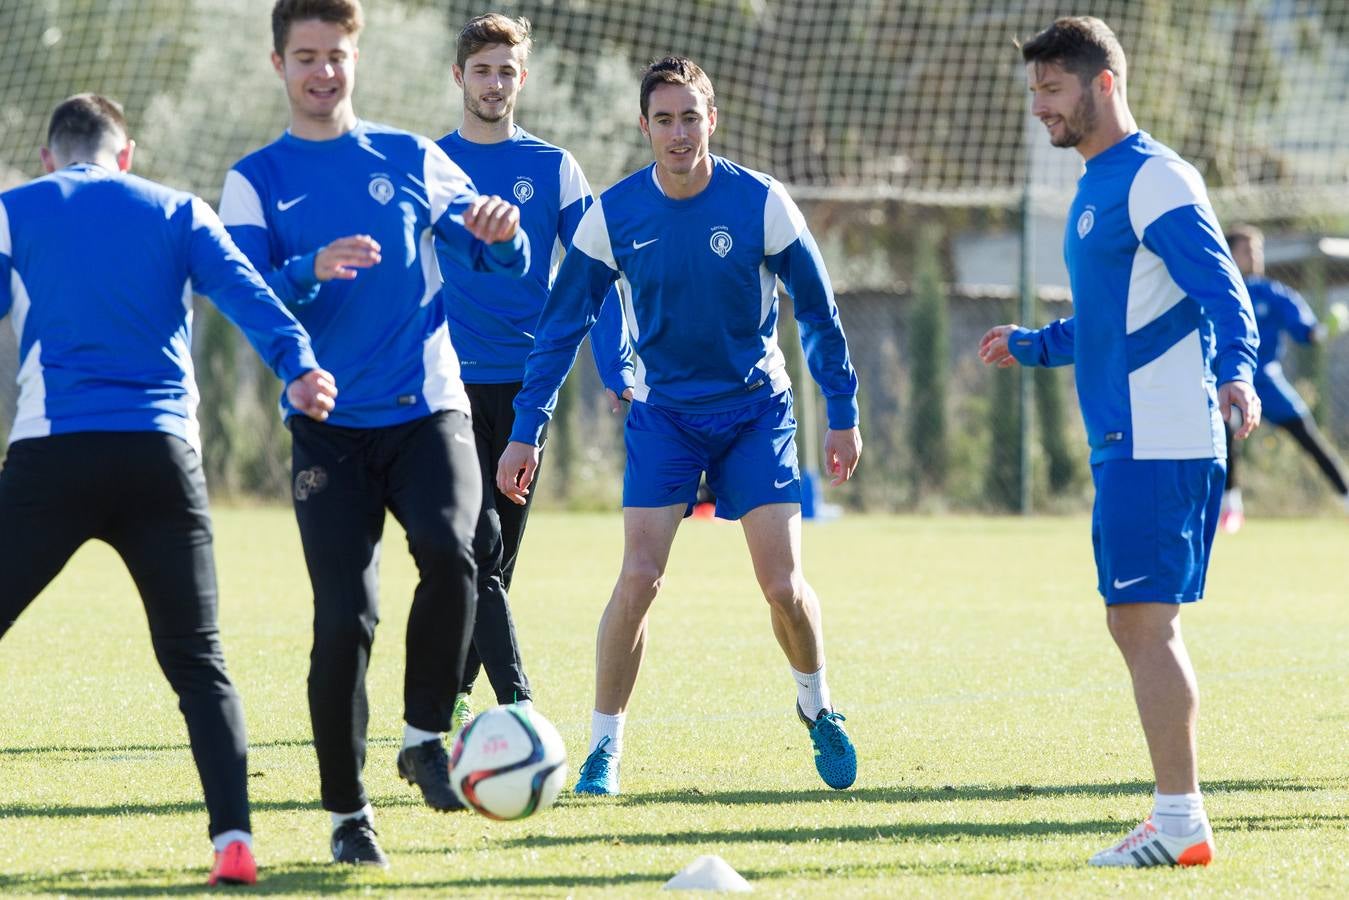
[[504, 258], [609, 346]]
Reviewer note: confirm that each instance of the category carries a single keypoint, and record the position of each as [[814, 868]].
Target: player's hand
[[313, 394], [842, 450], [993, 349], [1242, 396], [491, 219], [515, 471], [615, 403], [344, 256]]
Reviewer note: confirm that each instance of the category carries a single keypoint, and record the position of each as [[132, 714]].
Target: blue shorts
[[1280, 402], [1152, 527], [749, 455]]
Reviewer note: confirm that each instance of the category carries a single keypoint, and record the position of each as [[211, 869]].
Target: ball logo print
[[523, 190], [309, 482], [508, 763], [721, 242], [381, 188], [1085, 221]]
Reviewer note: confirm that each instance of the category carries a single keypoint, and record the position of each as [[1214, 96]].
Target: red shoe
[[1231, 520], [234, 865]]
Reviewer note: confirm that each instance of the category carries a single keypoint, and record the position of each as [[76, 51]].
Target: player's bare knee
[[638, 584], [786, 593]]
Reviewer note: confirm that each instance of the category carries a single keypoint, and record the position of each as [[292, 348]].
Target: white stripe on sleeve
[[1161, 185], [239, 202], [592, 236], [782, 221]]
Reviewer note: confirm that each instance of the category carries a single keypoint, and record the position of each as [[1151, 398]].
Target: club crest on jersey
[[523, 190], [1085, 221], [721, 242], [381, 188]]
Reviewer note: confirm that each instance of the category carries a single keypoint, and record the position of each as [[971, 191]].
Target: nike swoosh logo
[[1121, 585], [283, 205], [637, 246], [782, 484], [461, 439]]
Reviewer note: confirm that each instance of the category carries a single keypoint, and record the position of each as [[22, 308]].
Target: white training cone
[[708, 873]]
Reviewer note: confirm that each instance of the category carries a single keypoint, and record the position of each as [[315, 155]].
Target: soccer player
[[1156, 296], [1278, 309], [697, 244], [341, 216], [492, 319], [97, 271]]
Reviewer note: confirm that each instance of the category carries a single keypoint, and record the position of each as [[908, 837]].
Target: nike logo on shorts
[[283, 205], [637, 246], [1121, 585]]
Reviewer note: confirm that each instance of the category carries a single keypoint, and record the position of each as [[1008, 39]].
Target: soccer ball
[[508, 763]]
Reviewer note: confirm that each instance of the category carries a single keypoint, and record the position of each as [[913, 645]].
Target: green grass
[[998, 742]]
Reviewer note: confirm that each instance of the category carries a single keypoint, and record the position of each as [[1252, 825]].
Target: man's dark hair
[[1082, 45], [84, 125], [676, 70], [492, 28], [345, 13]]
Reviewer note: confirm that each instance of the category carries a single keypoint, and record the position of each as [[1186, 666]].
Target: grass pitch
[[997, 739]]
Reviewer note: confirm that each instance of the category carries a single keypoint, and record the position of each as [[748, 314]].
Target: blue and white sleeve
[[292, 279], [1298, 319], [450, 193], [791, 253], [609, 338], [1048, 346], [573, 305], [1171, 216], [220, 270], [6, 262]]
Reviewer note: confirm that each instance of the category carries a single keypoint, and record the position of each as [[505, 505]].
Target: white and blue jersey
[[493, 319], [697, 278], [97, 273], [1278, 309], [1159, 307], [382, 334]]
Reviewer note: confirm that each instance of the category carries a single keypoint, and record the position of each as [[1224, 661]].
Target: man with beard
[[1156, 298], [493, 319]]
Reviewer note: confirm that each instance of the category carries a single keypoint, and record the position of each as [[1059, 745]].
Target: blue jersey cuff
[[528, 428], [1022, 344], [842, 412]]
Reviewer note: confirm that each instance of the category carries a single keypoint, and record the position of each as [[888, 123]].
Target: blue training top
[[382, 334], [1158, 303], [97, 271], [698, 281], [492, 319], [1278, 309]]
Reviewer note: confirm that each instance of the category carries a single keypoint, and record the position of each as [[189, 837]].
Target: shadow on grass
[[927, 794], [305, 879], [62, 811], [116, 750]]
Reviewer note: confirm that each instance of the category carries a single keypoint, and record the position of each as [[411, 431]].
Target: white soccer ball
[[508, 763]]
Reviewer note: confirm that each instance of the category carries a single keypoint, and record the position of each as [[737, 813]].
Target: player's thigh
[[773, 533], [339, 508], [434, 483], [665, 459], [758, 466], [163, 533], [46, 513], [1153, 526]]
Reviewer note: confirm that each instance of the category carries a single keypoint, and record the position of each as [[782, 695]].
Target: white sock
[[611, 727], [414, 736], [1232, 500], [812, 692], [365, 812], [225, 838], [1178, 814]]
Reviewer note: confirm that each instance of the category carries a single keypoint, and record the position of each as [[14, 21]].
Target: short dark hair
[[1083, 45], [676, 70], [345, 13], [493, 28], [1244, 233], [84, 124]]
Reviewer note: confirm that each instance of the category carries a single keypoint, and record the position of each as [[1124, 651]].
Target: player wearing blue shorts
[[1159, 309], [696, 244], [1279, 310], [344, 218], [493, 319], [97, 272]]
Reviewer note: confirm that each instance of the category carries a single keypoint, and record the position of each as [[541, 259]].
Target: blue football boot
[[599, 773], [835, 758]]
